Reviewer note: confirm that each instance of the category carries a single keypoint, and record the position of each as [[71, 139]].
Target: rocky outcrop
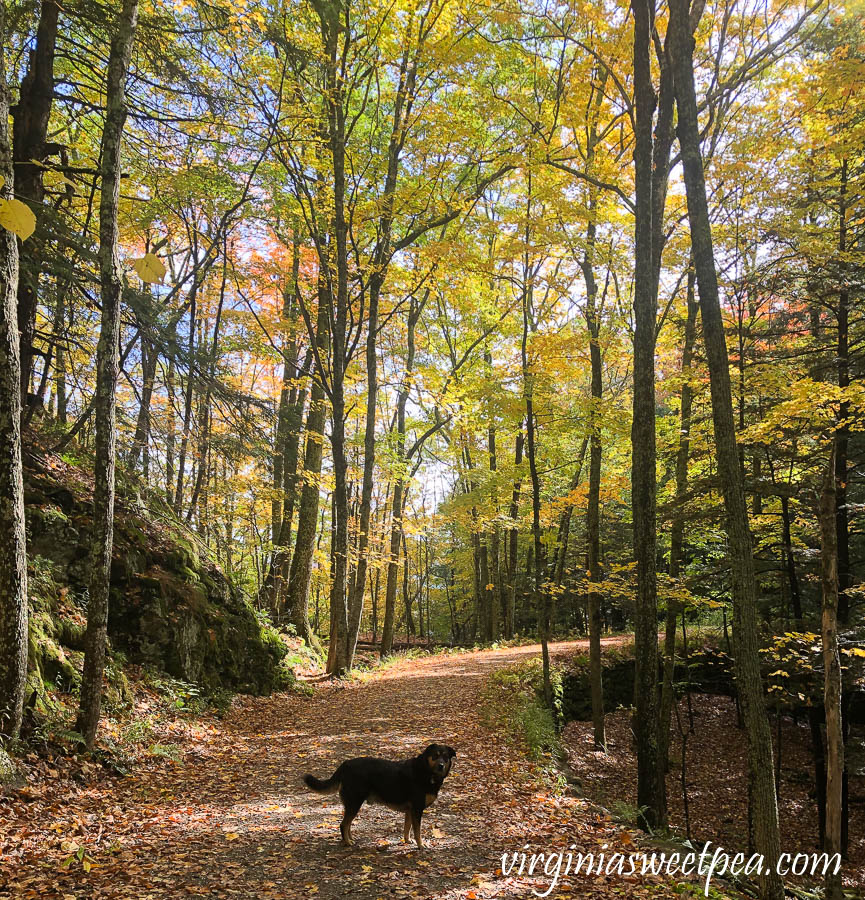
[[171, 607]]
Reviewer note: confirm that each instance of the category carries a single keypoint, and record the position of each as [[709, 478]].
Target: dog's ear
[[451, 751]]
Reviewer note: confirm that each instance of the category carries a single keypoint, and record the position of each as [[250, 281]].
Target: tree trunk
[[789, 561], [541, 591], [13, 547], [330, 17], [593, 514], [749, 683], [495, 573], [651, 795], [387, 629], [380, 260], [677, 532], [273, 594], [60, 357], [564, 529], [204, 413], [831, 676], [297, 598], [30, 149], [513, 541], [187, 401], [292, 401], [141, 440], [169, 432], [287, 395], [108, 363], [842, 517]]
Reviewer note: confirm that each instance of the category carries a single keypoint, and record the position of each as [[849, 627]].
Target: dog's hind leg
[[351, 807], [406, 828]]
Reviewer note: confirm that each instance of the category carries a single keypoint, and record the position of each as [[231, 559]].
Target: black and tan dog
[[410, 786]]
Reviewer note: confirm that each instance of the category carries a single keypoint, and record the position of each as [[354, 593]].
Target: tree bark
[[380, 259], [204, 410], [677, 532], [274, 590], [30, 149], [541, 591], [169, 432], [831, 675], [400, 482], [13, 547], [495, 573], [651, 794], [513, 540], [187, 400], [842, 517], [300, 572], [141, 439], [330, 18], [108, 363], [750, 687], [564, 528]]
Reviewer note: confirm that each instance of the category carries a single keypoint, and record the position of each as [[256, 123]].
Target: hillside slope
[[171, 607]]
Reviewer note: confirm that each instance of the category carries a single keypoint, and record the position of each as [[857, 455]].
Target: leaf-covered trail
[[234, 820]]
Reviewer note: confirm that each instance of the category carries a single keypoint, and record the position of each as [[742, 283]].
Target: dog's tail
[[323, 787]]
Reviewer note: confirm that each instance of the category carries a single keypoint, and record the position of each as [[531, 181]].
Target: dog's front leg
[[417, 812], [406, 828]]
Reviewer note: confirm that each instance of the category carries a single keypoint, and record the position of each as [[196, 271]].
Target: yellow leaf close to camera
[[149, 268], [17, 217]]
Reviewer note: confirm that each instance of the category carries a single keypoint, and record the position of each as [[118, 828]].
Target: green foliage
[[514, 699]]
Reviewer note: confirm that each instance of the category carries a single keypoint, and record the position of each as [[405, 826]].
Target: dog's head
[[438, 757]]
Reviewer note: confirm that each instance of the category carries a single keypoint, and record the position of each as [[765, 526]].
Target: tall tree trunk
[[495, 573], [169, 432], [60, 357], [205, 413], [387, 628], [651, 794], [292, 401], [287, 394], [108, 363], [333, 31], [593, 512], [399, 487], [749, 683], [485, 594], [141, 439], [513, 540], [541, 590], [297, 597], [842, 517], [564, 528], [380, 259], [593, 518], [30, 149], [831, 676], [789, 561], [276, 583], [356, 599], [677, 532], [187, 399], [13, 547]]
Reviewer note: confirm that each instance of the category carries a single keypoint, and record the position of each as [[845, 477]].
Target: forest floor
[[716, 779], [231, 817]]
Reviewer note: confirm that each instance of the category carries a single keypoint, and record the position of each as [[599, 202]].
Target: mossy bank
[[171, 607]]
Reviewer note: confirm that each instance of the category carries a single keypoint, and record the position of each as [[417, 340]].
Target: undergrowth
[[513, 699]]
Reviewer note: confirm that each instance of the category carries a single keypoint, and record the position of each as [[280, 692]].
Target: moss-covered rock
[[170, 606], [10, 777]]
